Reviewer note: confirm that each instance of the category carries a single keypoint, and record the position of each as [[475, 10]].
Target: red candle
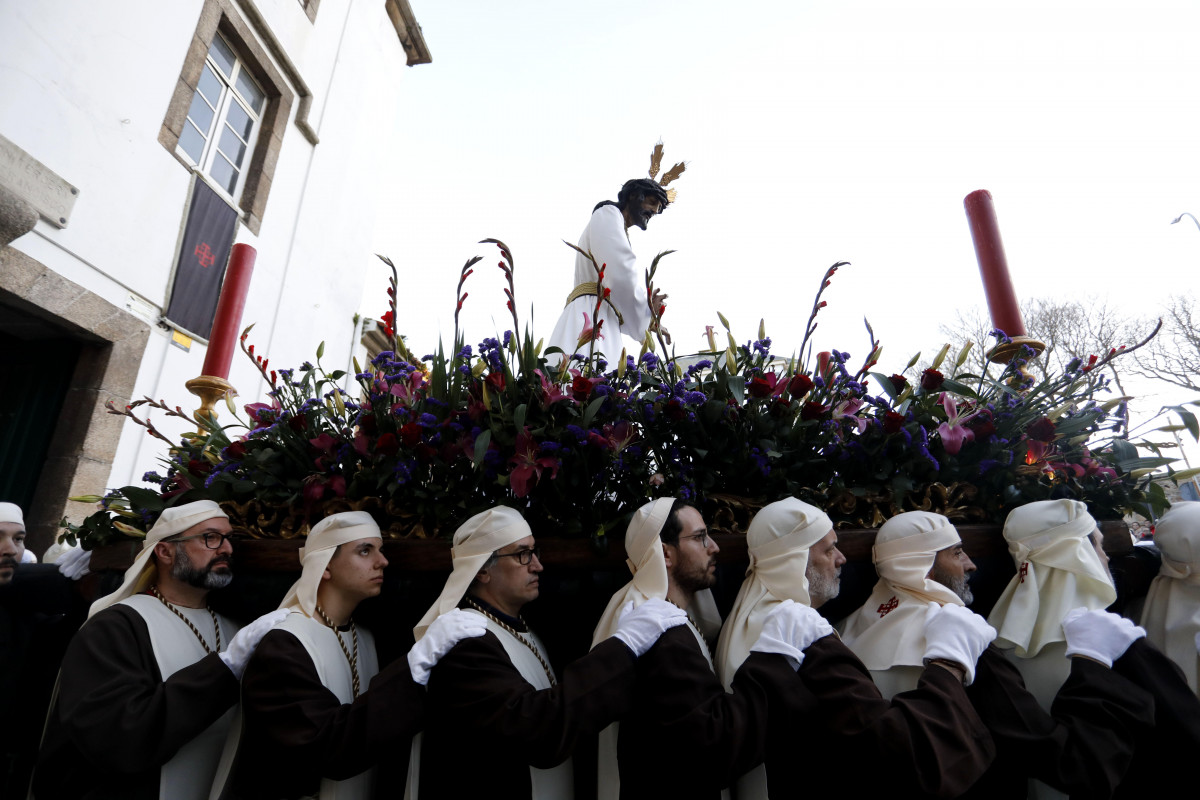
[[228, 320], [993, 267]]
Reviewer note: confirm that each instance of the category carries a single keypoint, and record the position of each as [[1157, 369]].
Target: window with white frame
[[223, 119]]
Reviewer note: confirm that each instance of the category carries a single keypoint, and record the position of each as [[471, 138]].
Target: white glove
[[74, 562], [639, 628], [789, 629], [446, 631], [28, 557], [1099, 634], [237, 655], [955, 633]]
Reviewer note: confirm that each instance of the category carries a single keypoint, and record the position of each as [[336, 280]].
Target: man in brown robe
[[925, 742], [149, 681], [499, 694], [318, 711]]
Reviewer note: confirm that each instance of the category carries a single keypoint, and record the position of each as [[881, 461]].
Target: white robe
[[606, 239]]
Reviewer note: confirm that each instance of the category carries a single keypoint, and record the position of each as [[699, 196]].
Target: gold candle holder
[[1005, 352], [209, 389]]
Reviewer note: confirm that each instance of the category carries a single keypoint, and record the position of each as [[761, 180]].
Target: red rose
[[931, 380], [759, 387], [1042, 430], [367, 423], [581, 388], [236, 450], [495, 380], [812, 410], [410, 434], [892, 422], [388, 444], [298, 422], [199, 467], [799, 385], [898, 382], [675, 410]]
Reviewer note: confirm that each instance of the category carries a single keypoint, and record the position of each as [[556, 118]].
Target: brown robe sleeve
[[688, 737], [928, 741], [479, 701], [1082, 747], [115, 715], [1174, 741], [296, 731]]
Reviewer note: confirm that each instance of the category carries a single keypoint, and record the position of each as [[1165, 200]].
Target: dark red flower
[[675, 410], [367, 423], [813, 410], [982, 424], [298, 423], [1042, 430], [898, 382], [338, 485], [388, 444], [581, 388], [410, 434], [199, 467], [495, 380], [799, 385], [892, 422], [236, 450], [759, 387], [932, 380]]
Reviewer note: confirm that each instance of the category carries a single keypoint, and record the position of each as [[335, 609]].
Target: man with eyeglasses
[[499, 689], [148, 684]]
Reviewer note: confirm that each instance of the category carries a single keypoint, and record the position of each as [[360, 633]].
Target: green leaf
[[591, 410], [960, 389], [519, 417], [1123, 451], [481, 446], [337, 374], [143, 498]]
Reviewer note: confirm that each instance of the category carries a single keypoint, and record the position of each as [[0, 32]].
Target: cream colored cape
[[1171, 616], [143, 572], [1057, 570], [778, 539], [889, 629]]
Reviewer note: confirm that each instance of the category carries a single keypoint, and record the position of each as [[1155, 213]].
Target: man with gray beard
[[148, 685], [925, 742]]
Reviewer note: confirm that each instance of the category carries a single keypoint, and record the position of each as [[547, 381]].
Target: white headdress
[[325, 537], [1171, 616]]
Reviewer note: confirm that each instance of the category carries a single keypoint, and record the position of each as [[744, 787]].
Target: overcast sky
[[814, 132]]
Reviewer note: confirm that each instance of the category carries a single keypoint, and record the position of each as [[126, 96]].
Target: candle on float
[[993, 267], [228, 319]]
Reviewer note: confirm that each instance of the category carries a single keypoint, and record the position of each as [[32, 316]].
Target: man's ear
[[164, 554], [668, 555], [326, 575], [483, 577]]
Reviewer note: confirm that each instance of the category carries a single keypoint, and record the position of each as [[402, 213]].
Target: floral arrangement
[[578, 443]]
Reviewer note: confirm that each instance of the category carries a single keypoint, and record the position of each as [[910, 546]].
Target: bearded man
[[926, 742], [148, 684], [625, 311], [1082, 747], [521, 716], [681, 715]]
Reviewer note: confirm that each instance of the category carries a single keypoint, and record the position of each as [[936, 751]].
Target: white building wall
[[84, 88]]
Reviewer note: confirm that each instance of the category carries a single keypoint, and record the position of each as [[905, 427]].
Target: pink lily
[[846, 409], [551, 394], [527, 467], [589, 333], [408, 390], [953, 432]]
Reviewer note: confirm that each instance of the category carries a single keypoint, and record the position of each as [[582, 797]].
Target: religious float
[[422, 443]]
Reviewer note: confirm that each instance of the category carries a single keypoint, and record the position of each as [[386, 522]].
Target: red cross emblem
[[886, 608], [1024, 571], [204, 255]]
